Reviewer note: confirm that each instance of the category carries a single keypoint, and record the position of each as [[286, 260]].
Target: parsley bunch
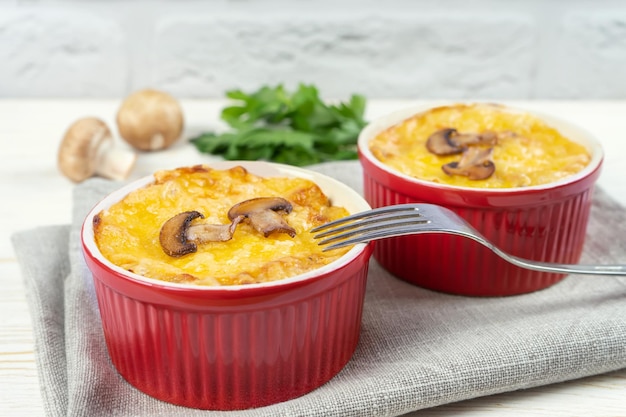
[[296, 128]]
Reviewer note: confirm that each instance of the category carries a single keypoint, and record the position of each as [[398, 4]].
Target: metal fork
[[409, 219]]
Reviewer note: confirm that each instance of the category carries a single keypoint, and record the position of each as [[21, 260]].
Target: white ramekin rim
[[340, 194], [567, 129]]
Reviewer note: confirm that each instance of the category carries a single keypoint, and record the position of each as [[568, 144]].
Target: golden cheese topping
[[526, 152], [127, 233]]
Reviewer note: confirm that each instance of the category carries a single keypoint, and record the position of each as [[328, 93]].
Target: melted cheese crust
[[127, 233], [528, 151]]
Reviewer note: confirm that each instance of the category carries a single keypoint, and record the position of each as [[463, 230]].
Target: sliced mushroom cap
[[476, 164], [263, 214], [449, 141], [440, 142], [179, 237], [173, 235]]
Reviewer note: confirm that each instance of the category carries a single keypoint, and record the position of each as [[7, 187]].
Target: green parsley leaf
[[296, 128]]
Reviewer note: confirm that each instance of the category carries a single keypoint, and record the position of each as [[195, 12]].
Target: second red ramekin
[[545, 223]]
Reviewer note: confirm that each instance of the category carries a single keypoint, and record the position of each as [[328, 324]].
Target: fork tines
[[368, 225]]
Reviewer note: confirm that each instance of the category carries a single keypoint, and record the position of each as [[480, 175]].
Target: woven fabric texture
[[418, 348]]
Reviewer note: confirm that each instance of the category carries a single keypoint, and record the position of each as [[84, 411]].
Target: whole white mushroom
[[87, 150], [150, 120]]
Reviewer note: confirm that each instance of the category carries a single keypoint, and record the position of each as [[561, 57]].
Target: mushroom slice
[[179, 237], [264, 214], [201, 233], [476, 164], [440, 142], [449, 141]]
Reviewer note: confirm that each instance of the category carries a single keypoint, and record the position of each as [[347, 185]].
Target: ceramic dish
[[543, 222], [232, 347]]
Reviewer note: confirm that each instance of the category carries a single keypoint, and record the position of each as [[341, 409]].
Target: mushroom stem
[[476, 164], [202, 233], [268, 222], [113, 162]]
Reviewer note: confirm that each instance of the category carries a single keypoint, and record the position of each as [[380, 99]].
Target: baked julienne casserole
[[133, 233], [479, 145]]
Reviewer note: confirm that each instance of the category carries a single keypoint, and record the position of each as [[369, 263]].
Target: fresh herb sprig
[[296, 128]]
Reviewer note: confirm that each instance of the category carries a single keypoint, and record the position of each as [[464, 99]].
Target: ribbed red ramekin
[[232, 347], [545, 222]]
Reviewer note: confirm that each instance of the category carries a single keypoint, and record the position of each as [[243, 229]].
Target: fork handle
[[569, 269], [616, 269]]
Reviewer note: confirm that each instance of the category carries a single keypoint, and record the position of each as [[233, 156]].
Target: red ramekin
[[544, 222], [232, 347]]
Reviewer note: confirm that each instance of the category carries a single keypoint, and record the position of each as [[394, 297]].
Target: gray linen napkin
[[418, 348]]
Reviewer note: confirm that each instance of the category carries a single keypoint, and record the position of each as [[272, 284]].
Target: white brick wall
[[392, 48]]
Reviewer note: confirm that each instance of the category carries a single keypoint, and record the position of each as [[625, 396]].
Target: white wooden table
[[33, 192]]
